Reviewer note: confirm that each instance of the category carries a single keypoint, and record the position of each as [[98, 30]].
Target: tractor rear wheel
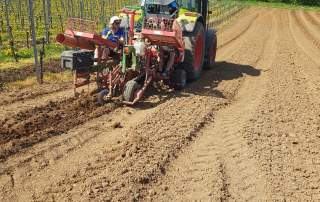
[[194, 51], [211, 48], [179, 79], [130, 89]]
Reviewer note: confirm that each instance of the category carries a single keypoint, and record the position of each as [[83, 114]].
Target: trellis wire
[[50, 16]]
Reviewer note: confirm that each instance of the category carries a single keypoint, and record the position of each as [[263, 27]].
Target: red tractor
[[161, 45]]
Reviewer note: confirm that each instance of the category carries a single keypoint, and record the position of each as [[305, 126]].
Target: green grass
[[280, 5], [2, 57]]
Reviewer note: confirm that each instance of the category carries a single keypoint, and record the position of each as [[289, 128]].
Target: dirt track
[[249, 130]]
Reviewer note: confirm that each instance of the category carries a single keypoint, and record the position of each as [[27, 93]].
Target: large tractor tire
[[130, 89], [194, 52], [211, 48]]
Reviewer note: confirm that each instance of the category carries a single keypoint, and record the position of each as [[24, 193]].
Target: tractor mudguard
[[187, 20]]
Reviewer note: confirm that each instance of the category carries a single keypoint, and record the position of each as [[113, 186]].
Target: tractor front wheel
[[130, 89], [194, 51]]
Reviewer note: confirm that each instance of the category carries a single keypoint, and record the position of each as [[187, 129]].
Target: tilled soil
[[9, 97], [37, 124], [247, 131]]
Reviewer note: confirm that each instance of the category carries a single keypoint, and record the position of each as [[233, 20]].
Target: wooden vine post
[[49, 19], [1, 30], [46, 22], [34, 43], [9, 30]]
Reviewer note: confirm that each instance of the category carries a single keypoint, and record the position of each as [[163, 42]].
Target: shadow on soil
[[205, 86]]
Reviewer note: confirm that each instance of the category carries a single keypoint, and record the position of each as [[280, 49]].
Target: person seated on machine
[[173, 9], [161, 8], [113, 33]]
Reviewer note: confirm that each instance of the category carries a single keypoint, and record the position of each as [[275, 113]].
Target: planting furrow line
[[220, 150], [309, 55], [303, 41], [312, 19], [241, 33], [284, 131], [226, 52], [305, 30], [312, 26]]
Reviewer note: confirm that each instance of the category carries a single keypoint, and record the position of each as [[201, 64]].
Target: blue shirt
[[107, 34]]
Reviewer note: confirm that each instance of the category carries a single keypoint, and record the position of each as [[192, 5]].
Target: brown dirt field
[[249, 130], [29, 94]]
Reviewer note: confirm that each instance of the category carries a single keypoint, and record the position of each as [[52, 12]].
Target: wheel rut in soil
[[304, 27], [312, 19], [225, 52], [311, 53], [312, 26], [304, 41], [234, 44], [243, 30]]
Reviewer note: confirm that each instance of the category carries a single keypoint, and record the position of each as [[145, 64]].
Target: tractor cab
[[190, 5], [193, 5]]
